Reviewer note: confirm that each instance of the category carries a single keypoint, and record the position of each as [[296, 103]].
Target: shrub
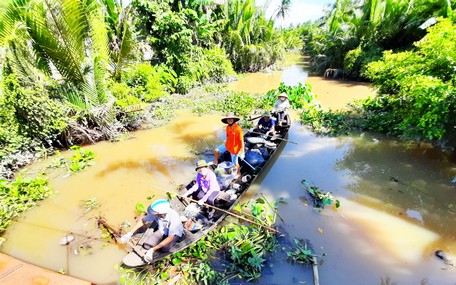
[[218, 65], [426, 107], [123, 94], [38, 117], [145, 81], [19, 196]]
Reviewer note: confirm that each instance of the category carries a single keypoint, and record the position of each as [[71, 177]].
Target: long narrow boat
[[259, 153]]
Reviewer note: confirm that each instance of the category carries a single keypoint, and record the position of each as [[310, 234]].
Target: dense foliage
[[354, 33], [76, 72], [19, 196], [416, 92]]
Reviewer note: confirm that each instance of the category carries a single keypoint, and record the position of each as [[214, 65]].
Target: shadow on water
[[397, 200]]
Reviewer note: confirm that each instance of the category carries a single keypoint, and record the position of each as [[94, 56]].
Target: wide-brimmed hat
[[201, 163], [266, 114], [230, 115], [283, 94]]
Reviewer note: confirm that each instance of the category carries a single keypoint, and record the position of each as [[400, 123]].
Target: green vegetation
[[319, 199], [299, 96], [416, 93], [72, 71], [90, 204], [78, 161], [19, 196], [81, 159], [354, 33], [241, 249], [300, 253]]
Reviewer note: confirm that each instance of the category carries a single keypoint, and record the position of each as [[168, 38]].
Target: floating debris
[[415, 215], [66, 240], [319, 198], [442, 255]]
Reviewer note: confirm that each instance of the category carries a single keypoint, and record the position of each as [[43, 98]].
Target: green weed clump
[[19, 196], [78, 161], [301, 253]]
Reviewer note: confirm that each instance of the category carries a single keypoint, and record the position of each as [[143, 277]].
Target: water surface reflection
[[397, 200], [371, 237]]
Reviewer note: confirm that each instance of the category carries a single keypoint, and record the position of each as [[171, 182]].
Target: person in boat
[[280, 112], [234, 142], [206, 188], [265, 125], [169, 228]]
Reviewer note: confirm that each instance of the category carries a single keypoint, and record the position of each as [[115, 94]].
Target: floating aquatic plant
[[301, 253], [320, 199]]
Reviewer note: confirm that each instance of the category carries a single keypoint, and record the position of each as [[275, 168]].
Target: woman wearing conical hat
[[280, 112], [234, 142], [282, 104]]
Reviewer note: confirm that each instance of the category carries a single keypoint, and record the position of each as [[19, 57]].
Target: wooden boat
[[250, 169]]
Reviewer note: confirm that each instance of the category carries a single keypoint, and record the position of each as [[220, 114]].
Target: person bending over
[[169, 230]]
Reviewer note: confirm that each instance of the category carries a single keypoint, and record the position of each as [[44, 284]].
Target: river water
[[398, 200]]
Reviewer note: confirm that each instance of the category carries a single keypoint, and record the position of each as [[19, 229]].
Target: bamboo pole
[[112, 230], [274, 209], [315, 270], [218, 209], [228, 212], [275, 138]]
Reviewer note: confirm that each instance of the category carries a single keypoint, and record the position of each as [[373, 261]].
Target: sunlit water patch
[[379, 182]]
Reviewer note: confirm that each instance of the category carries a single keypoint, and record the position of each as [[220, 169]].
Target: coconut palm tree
[[68, 41], [122, 39], [283, 9]]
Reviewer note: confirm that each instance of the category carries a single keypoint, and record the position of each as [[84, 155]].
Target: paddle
[[248, 164], [113, 231], [251, 119], [275, 210], [226, 212], [275, 138], [216, 208]]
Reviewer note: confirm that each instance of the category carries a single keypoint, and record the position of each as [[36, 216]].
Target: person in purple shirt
[[206, 188]]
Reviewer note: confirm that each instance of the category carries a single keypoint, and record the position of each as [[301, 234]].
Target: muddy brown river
[[398, 200]]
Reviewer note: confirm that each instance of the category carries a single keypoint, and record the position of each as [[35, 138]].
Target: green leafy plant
[[416, 93], [90, 204], [140, 208], [241, 103], [320, 199], [19, 196], [57, 162], [301, 253], [81, 159], [298, 96], [145, 82]]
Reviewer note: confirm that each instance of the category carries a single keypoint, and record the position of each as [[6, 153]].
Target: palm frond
[[62, 35]]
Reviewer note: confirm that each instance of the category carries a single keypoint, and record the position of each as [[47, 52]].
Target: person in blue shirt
[[266, 125]]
